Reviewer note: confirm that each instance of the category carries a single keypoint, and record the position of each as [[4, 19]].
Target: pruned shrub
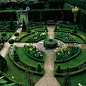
[[3, 33], [50, 43], [58, 69], [11, 41], [39, 69], [16, 34]]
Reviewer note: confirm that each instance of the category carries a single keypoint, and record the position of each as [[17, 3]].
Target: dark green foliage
[[28, 77], [14, 5], [16, 34], [11, 41], [67, 78], [33, 5], [3, 33], [24, 25], [56, 27], [12, 24], [50, 14], [55, 4], [39, 69], [50, 43], [16, 57], [58, 69], [3, 64], [45, 27], [28, 30], [6, 15]]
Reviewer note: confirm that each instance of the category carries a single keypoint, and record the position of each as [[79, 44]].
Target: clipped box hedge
[[50, 43], [22, 68]]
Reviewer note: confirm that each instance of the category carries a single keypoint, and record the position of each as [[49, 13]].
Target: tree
[[12, 24], [28, 77], [66, 81], [24, 25]]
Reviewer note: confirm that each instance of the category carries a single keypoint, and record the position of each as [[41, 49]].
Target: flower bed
[[67, 53], [37, 36], [50, 43], [66, 37], [21, 36], [21, 65], [34, 53]]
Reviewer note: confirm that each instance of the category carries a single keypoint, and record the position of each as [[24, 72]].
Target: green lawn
[[22, 16], [19, 75], [75, 80], [26, 58]]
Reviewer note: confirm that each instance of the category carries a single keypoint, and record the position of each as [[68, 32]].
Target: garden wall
[[50, 14]]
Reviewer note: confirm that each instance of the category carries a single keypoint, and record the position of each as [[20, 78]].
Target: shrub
[[58, 69], [16, 57], [16, 34], [50, 43], [24, 25], [45, 27], [3, 33], [12, 24], [56, 27], [39, 69], [11, 41]]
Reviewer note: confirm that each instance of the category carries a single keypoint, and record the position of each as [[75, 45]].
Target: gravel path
[[4, 50], [48, 78]]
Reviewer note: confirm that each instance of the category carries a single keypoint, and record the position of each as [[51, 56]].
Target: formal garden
[[24, 46]]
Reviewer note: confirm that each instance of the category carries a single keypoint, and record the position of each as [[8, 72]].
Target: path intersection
[[48, 78]]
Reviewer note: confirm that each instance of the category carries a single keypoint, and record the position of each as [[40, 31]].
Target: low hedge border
[[22, 68], [71, 73], [80, 37], [68, 31], [72, 57], [66, 41], [33, 57]]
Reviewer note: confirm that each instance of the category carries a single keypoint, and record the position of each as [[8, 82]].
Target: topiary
[[45, 27], [11, 41], [56, 27], [16, 34], [50, 43], [3, 33], [39, 69], [58, 69], [24, 25]]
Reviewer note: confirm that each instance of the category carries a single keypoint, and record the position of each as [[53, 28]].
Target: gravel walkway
[[4, 50], [48, 78]]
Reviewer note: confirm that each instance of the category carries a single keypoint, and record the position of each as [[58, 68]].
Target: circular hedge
[[11, 41], [16, 34], [3, 33], [50, 43]]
